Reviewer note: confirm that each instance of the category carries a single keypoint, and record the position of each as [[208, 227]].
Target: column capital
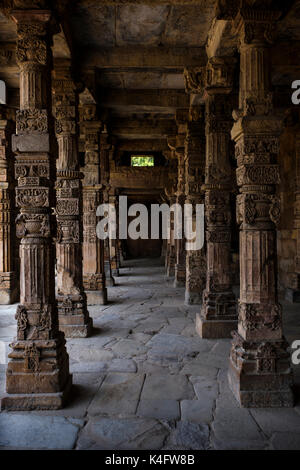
[[216, 77]]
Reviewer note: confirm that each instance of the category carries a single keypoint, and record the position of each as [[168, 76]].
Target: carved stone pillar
[[259, 373], [218, 313], [180, 253], [113, 244], [9, 284], [194, 178], [38, 369], [73, 315], [179, 148], [293, 293], [93, 247], [105, 149], [171, 258]]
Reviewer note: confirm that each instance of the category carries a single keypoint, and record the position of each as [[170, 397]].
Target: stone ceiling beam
[[152, 98], [146, 145], [138, 56], [142, 129]]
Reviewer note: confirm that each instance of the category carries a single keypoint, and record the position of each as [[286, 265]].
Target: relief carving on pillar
[[259, 346]]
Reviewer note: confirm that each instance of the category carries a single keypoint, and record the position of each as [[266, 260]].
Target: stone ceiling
[[96, 25], [132, 53]]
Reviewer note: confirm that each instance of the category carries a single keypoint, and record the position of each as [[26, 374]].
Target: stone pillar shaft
[[9, 284], [194, 178], [170, 265], [105, 149], [38, 369], [259, 373], [180, 252], [113, 244], [93, 248], [74, 319], [218, 313]]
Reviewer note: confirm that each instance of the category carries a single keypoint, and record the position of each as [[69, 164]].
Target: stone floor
[[145, 380]]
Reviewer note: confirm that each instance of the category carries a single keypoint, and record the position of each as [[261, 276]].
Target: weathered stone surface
[[169, 347], [189, 436], [128, 348], [285, 441], [114, 365], [38, 432], [203, 384], [271, 420], [172, 386], [159, 409], [126, 434], [197, 411], [118, 395]]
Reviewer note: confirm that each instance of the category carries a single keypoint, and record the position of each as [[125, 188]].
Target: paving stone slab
[[277, 420], [38, 432], [197, 411], [123, 434], [174, 347], [234, 424], [159, 409], [205, 386], [128, 348], [175, 387], [118, 395], [239, 444], [115, 365], [285, 441], [189, 436], [194, 368]]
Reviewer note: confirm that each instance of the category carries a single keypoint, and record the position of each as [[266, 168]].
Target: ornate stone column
[[170, 189], [218, 313], [93, 247], [179, 149], [105, 149], [38, 369], [292, 293], [74, 318], [170, 265], [259, 373], [113, 244], [194, 178], [9, 284], [180, 253]]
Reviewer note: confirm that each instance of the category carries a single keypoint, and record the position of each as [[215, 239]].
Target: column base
[[260, 374], [76, 330], [193, 298], [250, 391], [96, 297], [215, 329], [37, 401], [292, 295], [73, 316]]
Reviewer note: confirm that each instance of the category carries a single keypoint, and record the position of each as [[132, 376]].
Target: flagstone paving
[[145, 380]]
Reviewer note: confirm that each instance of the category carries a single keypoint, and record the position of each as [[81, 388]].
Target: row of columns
[[47, 125], [38, 371], [259, 371]]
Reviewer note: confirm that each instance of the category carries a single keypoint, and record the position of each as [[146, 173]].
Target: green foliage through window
[[142, 160]]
